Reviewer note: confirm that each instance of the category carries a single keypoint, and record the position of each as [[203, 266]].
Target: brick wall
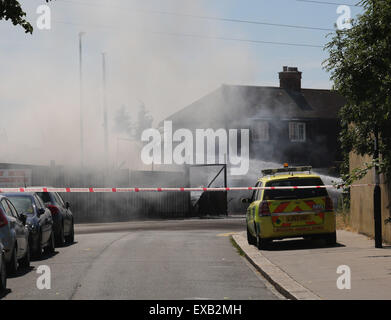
[[361, 202]]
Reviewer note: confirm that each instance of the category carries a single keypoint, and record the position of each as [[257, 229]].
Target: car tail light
[[329, 204], [3, 219], [53, 209], [264, 209]]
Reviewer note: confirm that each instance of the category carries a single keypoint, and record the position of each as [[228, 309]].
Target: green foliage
[[360, 67], [123, 122], [12, 10], [144, 120], [359, 173]]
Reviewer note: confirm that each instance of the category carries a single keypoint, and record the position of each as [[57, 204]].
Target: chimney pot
[[290, 78]]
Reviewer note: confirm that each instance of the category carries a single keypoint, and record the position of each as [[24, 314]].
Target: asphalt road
[[184, 259]]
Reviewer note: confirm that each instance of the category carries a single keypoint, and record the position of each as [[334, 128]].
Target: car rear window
[[22, 204], [286, 194], [45, 196]]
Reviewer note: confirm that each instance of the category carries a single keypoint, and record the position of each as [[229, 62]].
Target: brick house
[[286, 123]]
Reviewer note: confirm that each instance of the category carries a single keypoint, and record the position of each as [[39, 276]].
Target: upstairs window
[[260, 131], [297, 131]]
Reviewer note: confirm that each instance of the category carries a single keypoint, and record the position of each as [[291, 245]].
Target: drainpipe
[[377, 197]]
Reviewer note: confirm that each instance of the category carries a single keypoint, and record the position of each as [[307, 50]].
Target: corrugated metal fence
[[110, 207]]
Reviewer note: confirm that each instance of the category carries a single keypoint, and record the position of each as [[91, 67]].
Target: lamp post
[[81, 99], [105, 120], [377, 197]]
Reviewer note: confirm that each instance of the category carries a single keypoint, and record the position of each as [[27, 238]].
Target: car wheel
[[12, 266], [39, 249], [71, 237], [331, 239], [250, 238], [262, 244], [3, 275], [25, 261], [51, 245], [61, 237]]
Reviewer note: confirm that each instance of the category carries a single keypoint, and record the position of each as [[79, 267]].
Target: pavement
[[306, 270], [182, 259]]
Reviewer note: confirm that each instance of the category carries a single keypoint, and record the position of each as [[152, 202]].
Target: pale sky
[[147, 60]]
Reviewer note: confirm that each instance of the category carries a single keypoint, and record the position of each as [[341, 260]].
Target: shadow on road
[[69, 244], [45, 256], [21, 272], [235, 224], [5, 293], [300, 244]]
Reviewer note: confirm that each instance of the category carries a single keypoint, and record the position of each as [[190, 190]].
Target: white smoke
[[40, 88]]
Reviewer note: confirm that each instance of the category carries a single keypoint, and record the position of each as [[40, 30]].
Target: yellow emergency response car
[[290, 211]]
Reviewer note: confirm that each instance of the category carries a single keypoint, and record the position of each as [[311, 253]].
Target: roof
[[18, 194], [256, 102], [287, 176]]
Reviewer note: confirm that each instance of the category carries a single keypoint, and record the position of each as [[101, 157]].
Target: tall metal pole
[[226, 183], [105, 120], [377, 197], [81, 99]]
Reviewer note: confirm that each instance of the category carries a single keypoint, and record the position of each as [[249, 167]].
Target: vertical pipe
[[81, 99], [225, 186], [377, 197], [105, 120]]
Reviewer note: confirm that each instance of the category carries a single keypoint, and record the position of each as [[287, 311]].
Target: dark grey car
[[39, 221], [14, 235], [63, 225]]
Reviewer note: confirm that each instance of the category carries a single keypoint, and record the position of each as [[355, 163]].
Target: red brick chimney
[[290, 78]]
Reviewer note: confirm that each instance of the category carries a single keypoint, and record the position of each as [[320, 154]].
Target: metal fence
[[113, 207]]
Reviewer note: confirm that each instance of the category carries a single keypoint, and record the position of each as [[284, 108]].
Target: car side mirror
[[67, 205], [41, 211], [23, 218], [246, 200]]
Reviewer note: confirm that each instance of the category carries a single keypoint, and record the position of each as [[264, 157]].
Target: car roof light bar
[[267, 172]]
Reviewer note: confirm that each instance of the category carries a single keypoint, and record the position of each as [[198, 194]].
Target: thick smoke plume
[[40, 87]]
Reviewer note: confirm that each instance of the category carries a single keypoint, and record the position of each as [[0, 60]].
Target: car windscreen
[[45, 196], [287, 194], [22, 204]]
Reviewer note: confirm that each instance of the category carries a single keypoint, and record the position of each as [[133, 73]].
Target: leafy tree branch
[[12, 10], [360, 66]]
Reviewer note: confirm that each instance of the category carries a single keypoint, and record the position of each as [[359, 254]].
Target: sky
[[149, 61]]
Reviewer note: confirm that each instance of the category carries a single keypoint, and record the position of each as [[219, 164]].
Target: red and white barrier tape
[[111, 190]]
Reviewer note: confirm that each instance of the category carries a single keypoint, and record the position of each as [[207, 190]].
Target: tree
[[12, 10], [360, 67], [144, 120], [123, 121]]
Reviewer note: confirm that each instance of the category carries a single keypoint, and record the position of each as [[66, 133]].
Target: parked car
[[14, 235], [39, 221], [3, 270], [64, 231]]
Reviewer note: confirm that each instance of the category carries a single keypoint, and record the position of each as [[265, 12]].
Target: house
[[286, 123]]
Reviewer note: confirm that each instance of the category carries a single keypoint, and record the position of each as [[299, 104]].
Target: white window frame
[[265, 135], [294, 131]]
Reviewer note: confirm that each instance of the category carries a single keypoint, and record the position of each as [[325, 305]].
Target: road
[[183, 259]]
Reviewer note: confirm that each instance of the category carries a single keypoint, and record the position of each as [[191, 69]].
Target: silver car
[[14, 236], [3, 271]]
